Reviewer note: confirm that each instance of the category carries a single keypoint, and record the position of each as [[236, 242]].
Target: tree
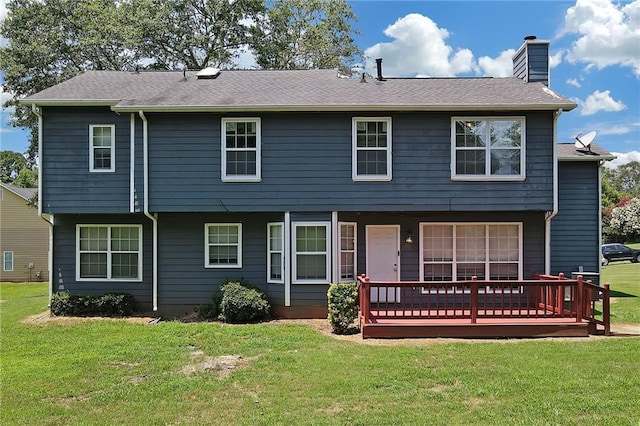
[[625, 179], [11, 163], [610, 196], [625, 220], [195, 34], [302, 34], [27, 178]]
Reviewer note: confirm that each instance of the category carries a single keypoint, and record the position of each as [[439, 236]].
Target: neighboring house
[[163, 184], [24, 236]]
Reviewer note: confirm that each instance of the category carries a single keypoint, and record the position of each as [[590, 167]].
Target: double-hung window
[[371, 156], [488, 148], [109, 252], [311, 252], [102, 148], [347, 261], [457, 252], [275, 252], [7, 261], [241, 139], [223, 245]]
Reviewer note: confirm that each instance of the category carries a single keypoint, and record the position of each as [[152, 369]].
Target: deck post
[[560, 296], [474, 299], [365, 297], [579, 299]]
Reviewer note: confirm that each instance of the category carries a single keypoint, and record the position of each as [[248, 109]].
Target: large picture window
[[241, 139], [311, 247], [109, 252], [371, 148], [102, 148], [223, 245], [488, 148], [457, 252], [275, 252]]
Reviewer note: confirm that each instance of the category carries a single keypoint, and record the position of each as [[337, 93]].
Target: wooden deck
[[548, 306]]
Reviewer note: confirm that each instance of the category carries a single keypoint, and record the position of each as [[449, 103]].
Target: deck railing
[[544, 296]]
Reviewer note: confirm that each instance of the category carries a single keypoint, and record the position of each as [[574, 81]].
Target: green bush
[[105, 305], [343, 307], [240, 304]]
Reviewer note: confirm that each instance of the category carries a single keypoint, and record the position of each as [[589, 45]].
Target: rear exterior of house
[[24, 237], [163, 185]]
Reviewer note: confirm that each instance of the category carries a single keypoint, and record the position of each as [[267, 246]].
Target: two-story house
[[163, 184], [24, 237]]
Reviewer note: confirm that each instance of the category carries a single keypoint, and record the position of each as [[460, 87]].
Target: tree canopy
[[50, 41]]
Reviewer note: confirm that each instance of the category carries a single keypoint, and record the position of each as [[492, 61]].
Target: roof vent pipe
[[379, 67]]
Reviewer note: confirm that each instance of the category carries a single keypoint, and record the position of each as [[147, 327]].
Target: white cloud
[[622, 158], [502, 66], [245, 59], [4, 97], [608, 33], [573, 82], [555, 60], [615, 130], [3, 10], [419, 48], [601, 101]]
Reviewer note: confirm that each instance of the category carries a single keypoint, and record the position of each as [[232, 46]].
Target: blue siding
[[64, 258], [532, 63], [68, 186], [306, 167], [574, 231]]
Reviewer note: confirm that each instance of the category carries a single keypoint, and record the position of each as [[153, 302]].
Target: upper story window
[[241, 149], [109, 252], [371, 155], [102, 148], [223, 245], [488, 148]]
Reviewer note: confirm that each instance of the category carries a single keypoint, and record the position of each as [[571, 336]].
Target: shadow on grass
[[615, 293]]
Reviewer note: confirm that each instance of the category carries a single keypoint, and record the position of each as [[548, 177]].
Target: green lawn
[[116, 372], [624, 278]]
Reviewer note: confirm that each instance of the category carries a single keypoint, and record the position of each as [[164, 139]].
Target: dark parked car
[[615, 252]]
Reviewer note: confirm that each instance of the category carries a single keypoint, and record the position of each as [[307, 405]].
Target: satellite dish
[[584, 141]]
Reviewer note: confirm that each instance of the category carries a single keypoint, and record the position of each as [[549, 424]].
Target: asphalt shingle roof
[[568, 152], [293, 90], [25, 193]]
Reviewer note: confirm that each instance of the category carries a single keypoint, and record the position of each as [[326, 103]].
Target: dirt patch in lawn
[[223, 365], [46, 317]]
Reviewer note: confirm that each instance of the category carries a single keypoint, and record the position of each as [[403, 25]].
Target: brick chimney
[[531, 61]]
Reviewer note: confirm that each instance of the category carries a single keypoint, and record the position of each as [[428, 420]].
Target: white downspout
[[154, 218], [38, 112], [287, 259], [335, 273], [132, 167], [600, 164], [554, 212]]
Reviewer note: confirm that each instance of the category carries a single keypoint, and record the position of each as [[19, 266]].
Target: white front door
[[383, 260]]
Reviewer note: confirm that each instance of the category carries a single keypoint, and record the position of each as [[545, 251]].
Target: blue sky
[[595, 54]]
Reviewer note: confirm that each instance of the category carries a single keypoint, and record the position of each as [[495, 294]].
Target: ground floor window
[[457, 252], [348, 253], [109, 252], [311, 254], [7, 263], [223, 245], [275, 252]]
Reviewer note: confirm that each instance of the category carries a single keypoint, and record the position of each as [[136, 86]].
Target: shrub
[[343, 307], [240, 304], [106, 305]]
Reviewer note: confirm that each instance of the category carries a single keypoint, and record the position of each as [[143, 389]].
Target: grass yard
[[108, 372], [625, 289]]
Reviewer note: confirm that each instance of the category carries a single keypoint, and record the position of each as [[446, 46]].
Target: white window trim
[[294, 252], [354, 151], [4, 261], [488, 176], [269, 252], [258, 150], [112, 147], [109, 252], [454, 261], [206, 246], [355, 250]]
